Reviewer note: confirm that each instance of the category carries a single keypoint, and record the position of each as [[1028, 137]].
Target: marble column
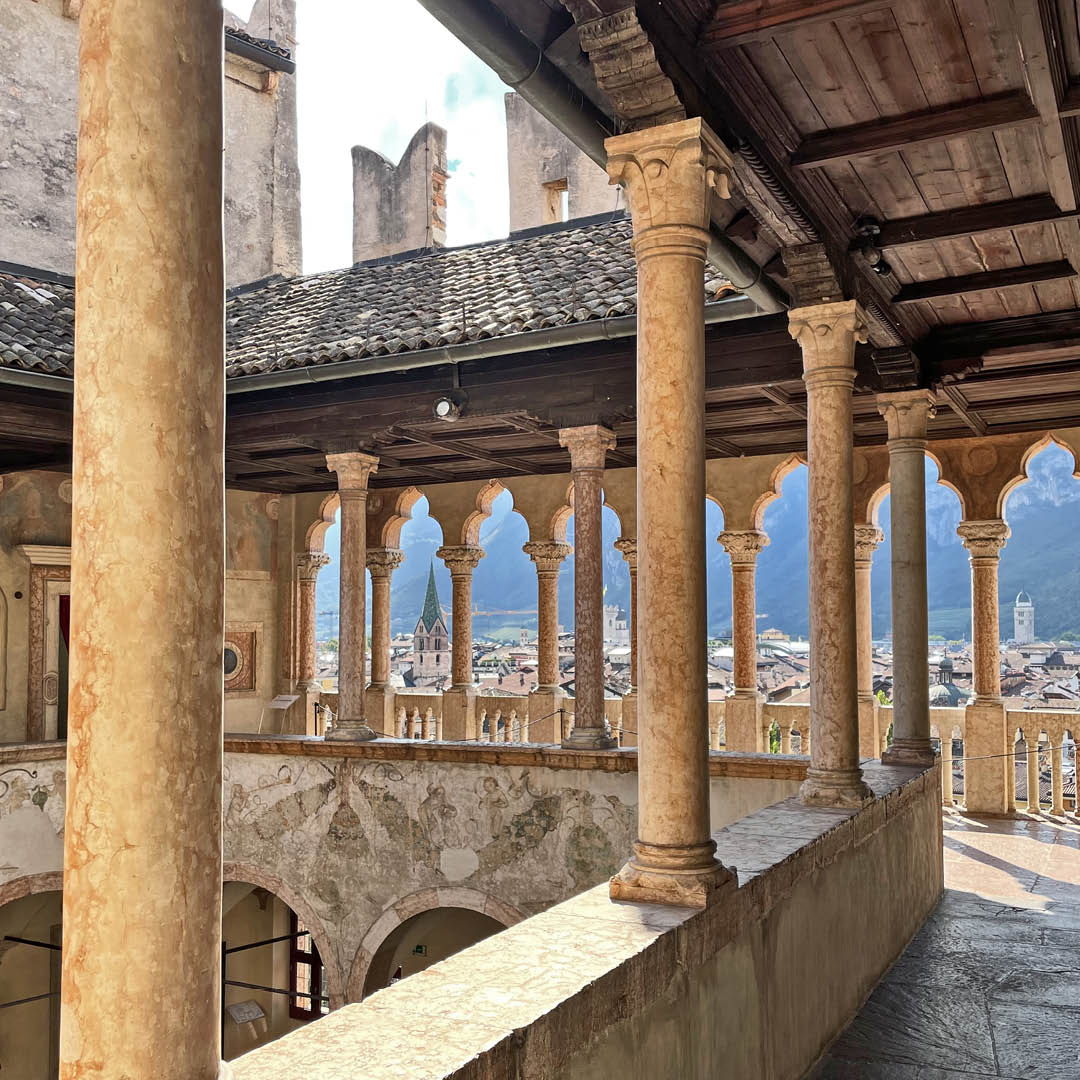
[[867, 538], [827, 334], [354, 469], [742, 710], [459, 702], [379, 694], [671, 173], [140, 971], [985, 734], [308, 565], [547, 698], [588, 445], [906, 414], [627, 545]]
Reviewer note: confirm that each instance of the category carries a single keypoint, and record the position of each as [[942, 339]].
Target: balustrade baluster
[[1056, 785]]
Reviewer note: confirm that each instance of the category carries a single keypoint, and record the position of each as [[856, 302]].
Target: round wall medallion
[[860, 468], [232, 661], [64, 491], [374, 503], [981, 459], [50, 688], [273, 507]]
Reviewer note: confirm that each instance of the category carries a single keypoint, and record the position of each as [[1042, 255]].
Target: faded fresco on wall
[[249, 531], [35, 508]]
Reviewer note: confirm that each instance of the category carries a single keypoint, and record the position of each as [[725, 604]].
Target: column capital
[[588, 445], [669, 172], [382, 562], [906, 414], [744, 546], [353, 468], [627, 546], [867, 538], [984, 539], [461, 559], [547, 554], [827, 335], [309, 563]]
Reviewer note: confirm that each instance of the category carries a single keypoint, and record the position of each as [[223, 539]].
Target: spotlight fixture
[[449, 406], [869, 229]]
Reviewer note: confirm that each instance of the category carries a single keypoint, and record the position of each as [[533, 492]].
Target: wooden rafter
[[526, 423], [782, 397], [723, 447], [736, 22], [915, 129], [959, 405], [458, 446], [991, 279]]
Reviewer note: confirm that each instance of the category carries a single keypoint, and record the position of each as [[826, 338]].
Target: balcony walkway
[[990, 987]]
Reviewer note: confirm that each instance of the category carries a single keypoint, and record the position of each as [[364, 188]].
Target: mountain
[[1040, 557]]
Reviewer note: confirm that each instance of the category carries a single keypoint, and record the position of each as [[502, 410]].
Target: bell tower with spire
[[431, 639]]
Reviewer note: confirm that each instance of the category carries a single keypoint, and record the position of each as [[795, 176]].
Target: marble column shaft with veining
[[354, 469], [381, 562], [984, 541], [140, 983], [308, 565], [628, 546], [867, 538], [461, 561], [547, 556], [743, 549], [670, 174], [588, 446], [906, 414], [827, 334]]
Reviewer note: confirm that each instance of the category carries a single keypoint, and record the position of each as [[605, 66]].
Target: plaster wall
[[38, 124], [538, 154]]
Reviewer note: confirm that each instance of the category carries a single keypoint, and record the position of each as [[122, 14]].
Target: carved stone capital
[[547, 554], [906, 415], [461, 559], [744, 546], [669, 174], [309, 563], [382, 562], [628, 546], [867, 538], [984, 539], [827, 335], [587, 445], [353, 469]]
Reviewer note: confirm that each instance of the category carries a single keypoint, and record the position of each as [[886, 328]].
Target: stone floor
[[990, 987]]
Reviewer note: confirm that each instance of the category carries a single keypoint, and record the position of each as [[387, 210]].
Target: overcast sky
[[370, 72]]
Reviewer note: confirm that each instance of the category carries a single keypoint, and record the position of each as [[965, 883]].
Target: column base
[[844, 788], [590, 739], [459, 714], [381, 714], [683, 876], [742, 722], [985, 738], [909, 752], [869, 738], [629, 719], [350, 731], [545, 720]]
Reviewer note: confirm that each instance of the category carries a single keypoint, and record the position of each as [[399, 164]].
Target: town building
[[431, 640], [1023, 619]]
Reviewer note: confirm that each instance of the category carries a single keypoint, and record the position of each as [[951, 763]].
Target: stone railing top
[[523, 1002]]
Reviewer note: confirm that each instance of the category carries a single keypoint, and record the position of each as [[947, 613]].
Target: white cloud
[[370, 73]]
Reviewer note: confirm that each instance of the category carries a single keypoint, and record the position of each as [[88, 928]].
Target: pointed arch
[[485, 497], [1036, 448], [776, 483], [315, 537], [390, 536]]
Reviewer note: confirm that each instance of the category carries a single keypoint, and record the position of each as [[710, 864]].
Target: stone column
[[628, 546], [867, 538], [140, 983], [308, 565], [742, 710], [587, 446], [548, 697], [985, 733], [379, 695], [827, 334], [670, 173], [459, 702], [906, 413], [353, 470]]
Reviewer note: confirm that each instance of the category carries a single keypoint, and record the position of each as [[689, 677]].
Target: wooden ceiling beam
[[782, 397], [959, 405], [723, 447], [970, 220], [915, 129], [991, 279], [456, 446], [737, 22]]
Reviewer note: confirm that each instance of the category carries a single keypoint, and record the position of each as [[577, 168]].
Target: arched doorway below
[[425, 939]]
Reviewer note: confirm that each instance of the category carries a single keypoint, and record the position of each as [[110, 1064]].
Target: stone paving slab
[[990, 986]]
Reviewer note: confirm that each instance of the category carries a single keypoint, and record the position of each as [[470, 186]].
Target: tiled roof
[[537, 280], [37, 322], [533, 281]]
